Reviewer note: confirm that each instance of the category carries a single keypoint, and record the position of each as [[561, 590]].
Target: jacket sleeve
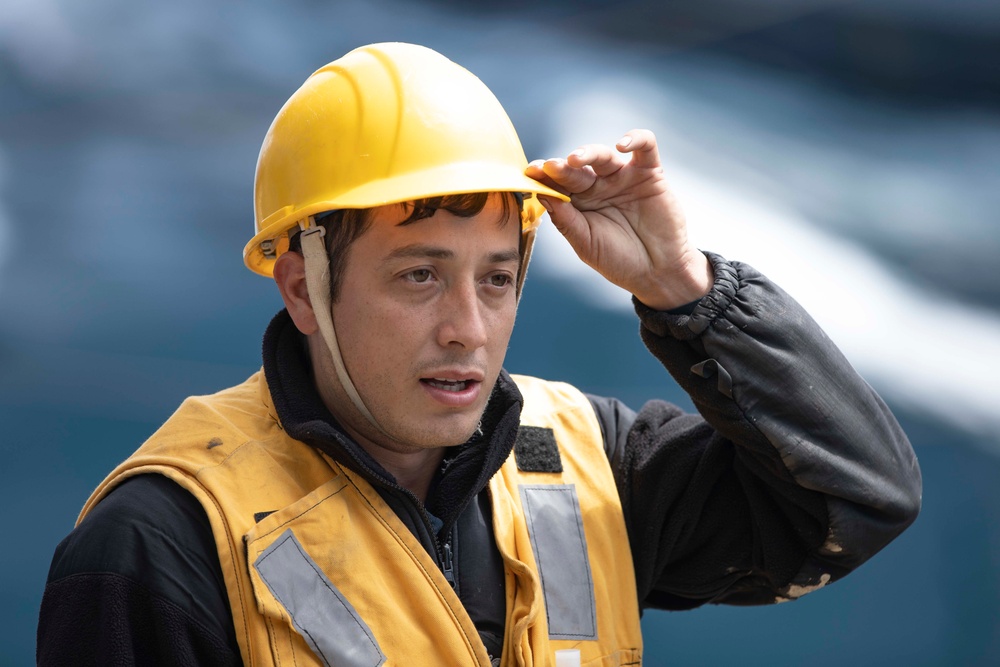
[[138, 582], [794, 473]]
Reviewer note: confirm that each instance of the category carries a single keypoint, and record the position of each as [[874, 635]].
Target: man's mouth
[[448, 385]]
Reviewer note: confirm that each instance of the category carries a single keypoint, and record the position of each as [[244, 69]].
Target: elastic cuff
[[686, 325]]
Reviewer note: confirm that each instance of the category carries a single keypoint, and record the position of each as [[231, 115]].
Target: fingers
[[584, 166], [642, 145], [602, 159], [536, 171], [558, 174], [606, 161], [579, 170]]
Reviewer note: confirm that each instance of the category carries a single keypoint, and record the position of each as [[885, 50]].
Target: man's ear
[[290, 276]]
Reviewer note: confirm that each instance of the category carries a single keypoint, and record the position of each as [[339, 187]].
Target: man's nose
[[462, 321]]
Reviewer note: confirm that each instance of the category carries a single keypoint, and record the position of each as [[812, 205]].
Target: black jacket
[[793, 474]]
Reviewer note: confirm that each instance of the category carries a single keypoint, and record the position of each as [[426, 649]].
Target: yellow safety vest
[[331, 576]]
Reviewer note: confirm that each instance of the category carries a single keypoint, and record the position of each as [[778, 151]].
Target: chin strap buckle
[[309, 227]]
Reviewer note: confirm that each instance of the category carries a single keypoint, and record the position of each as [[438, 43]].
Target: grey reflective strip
[[556, 530], [321, 614]]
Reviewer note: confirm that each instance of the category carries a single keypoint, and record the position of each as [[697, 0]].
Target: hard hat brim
[[450, 179]]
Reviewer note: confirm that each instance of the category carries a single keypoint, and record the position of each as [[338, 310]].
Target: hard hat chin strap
[[318, 285], [529, 243]]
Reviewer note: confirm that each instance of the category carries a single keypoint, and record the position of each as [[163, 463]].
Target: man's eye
[[500, 280], [419, 276]]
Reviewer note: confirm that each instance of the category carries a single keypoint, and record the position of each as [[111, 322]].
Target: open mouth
[[448, 385]]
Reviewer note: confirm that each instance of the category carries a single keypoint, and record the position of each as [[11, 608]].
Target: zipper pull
[[448, 569]]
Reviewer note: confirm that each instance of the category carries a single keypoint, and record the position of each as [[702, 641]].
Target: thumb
[[556, 209], [569, 221]]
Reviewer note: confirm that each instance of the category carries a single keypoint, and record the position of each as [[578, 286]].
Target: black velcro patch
[[536, 450], [260, 516]]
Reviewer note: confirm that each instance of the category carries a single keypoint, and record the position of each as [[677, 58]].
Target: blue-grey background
[[851, 150]]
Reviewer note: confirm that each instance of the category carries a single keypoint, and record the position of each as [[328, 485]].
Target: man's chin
[[457, 437], [454, 429], [435, 435]]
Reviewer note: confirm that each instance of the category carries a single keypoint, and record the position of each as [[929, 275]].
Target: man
[[383, 492]]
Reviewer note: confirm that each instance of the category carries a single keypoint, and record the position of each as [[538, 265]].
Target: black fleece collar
[[304, 416]]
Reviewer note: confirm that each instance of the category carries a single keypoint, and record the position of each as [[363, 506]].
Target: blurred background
[[848, 149]]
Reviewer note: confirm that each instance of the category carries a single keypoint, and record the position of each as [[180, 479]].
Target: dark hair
[[345, 226]]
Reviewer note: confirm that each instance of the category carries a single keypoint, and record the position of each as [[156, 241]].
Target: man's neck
[[413, 468], [414, 471]]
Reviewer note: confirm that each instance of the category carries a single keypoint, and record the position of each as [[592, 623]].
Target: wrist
[[680, 288]]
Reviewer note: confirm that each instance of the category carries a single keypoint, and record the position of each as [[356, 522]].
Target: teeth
[[447, 385]]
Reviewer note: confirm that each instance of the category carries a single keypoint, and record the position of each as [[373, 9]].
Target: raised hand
[[623, 220]]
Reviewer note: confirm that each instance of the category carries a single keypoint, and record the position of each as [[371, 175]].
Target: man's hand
[[623, 220]]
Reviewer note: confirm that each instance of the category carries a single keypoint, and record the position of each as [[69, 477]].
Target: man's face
[[424, 315]]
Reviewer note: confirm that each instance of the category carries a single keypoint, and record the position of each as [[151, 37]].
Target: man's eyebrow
[[436, 252], [505, 256], [420, 250]]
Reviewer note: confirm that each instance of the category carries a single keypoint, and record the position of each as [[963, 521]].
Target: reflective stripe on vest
[[321, 614], [555, 527]]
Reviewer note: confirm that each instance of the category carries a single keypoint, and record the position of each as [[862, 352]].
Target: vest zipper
[[448, 566], [443, 550]]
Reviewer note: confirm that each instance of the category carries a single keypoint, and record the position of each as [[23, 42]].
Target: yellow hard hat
[[386, 123]]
